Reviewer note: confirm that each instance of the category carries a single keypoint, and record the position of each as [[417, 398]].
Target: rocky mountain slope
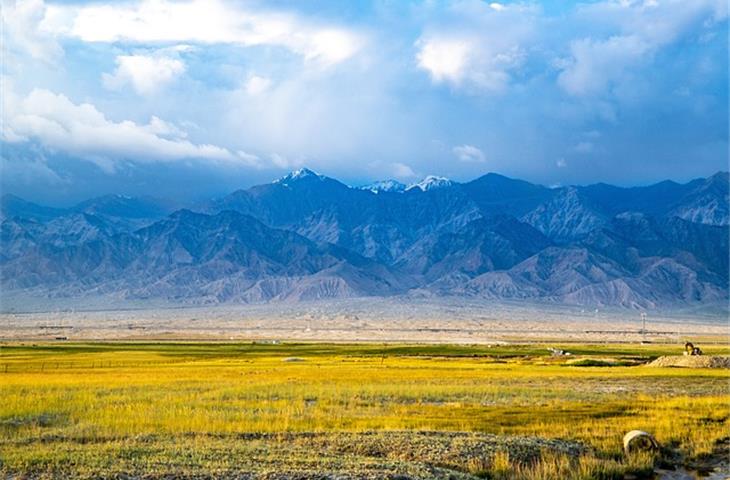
[[308, 236], [209, 258]]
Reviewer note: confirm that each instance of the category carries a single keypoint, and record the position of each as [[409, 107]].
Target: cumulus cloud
[[446, 59], [596, 64], [208, 22], [162, 128], [658, 68], [146, 74], [469, 154], [468, 62], [482, 52], [634, 32], [80, 129], [27, 31]]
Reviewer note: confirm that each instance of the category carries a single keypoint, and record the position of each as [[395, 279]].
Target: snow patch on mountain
[[299, 174], [431, 182], [384, 186]]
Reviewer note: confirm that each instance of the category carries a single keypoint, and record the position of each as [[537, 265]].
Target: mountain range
[[307, 236]]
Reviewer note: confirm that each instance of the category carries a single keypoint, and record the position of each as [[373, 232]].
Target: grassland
[[196, 410]]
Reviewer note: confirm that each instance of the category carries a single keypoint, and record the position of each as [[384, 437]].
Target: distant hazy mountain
[[122, 206], [309, 236], [12, 206], [122, 212]]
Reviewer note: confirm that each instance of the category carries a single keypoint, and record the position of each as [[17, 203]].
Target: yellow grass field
[[195, 410]]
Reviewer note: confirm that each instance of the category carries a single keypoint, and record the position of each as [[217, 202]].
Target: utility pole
[[643, 325]]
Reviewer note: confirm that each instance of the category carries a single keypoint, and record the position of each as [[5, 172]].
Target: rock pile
[[689, 361]]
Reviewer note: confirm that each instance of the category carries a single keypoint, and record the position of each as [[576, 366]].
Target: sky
[[195, 98]]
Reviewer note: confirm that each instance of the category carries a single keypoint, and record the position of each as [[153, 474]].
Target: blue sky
[[195, 98]]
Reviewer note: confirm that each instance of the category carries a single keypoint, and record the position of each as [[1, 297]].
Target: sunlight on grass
[[101, 407]]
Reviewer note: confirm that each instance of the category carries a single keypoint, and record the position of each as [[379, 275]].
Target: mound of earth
[[691, 361]]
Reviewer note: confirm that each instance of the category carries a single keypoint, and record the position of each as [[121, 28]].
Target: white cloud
[[482, 51], [165, 129], [469, 154], [637, 30], [147, 74], [27, 31], [468, 62], [59, 124], [561, 163], [330, 45], [596, 65], [291, 114], [208, 22], [282, 161], [445, 59], [402, 171], [250, 159], [256, 85]]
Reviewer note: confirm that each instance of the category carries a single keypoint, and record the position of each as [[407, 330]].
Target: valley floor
[[317, 410], [370, 319]]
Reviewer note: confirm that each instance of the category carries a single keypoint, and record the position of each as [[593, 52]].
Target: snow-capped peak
[[384, 186], [298, 175], [431, 182]]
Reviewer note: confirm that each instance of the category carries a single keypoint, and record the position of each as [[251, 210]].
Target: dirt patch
[[30, 421], [446, 448], [690, 361], [712, 466]]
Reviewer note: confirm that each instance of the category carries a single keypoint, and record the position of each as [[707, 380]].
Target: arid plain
[[367, 320]]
